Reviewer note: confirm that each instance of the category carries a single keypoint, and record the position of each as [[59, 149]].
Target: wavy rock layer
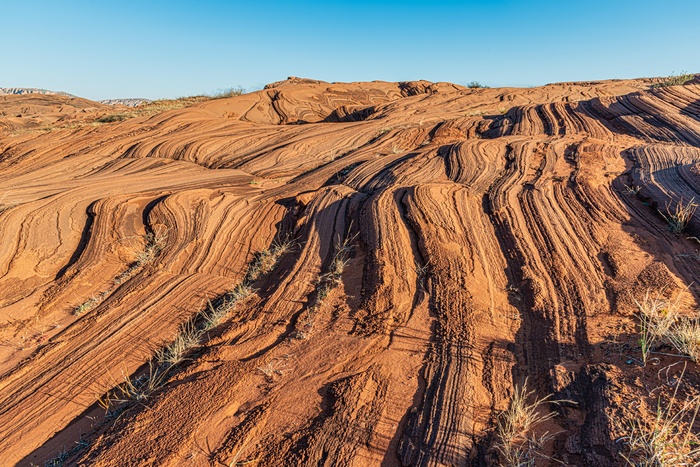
[[494, 235]]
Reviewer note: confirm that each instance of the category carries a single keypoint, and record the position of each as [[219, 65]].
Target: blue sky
[[108, 49]]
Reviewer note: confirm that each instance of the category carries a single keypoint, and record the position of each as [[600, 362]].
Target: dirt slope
[[39, 112], [492, 236]]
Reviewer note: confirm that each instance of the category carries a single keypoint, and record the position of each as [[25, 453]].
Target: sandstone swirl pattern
[[492, 236]]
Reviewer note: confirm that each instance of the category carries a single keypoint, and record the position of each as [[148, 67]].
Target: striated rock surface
[[491, 236]]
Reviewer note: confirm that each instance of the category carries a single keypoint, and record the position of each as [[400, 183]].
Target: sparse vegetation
[[230, 92], [59, 460], [632, 189], [265, 261], [421, 271], [326, 283], [517, 440], [674, 80], [149, 109], [63, 456], [140, 389], [476, 85], [528, 261], [685, 337], [273, 369], [660, 322], [213, 316], [154, 244], [111, 118], [173, 353], [656, 317], [340, 260], [192, 332], [384, 130], [669, 440], [137, 389], [679, 217], [87, 305]]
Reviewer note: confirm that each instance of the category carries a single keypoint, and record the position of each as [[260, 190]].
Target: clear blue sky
[[122, 48]]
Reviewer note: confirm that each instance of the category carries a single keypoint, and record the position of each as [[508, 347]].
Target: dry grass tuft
[[679, 218], [63, 456], [188, 338], [516, 439], [661, 323], [138, 389], [87, 305], [240, 292], [58, 461], [265, 261], [632, 189], [213, 316], [684, 335], [155, 242], [340, 260], [273, 369], [141, 388], [656, 317], [669, 440], [325, 284]]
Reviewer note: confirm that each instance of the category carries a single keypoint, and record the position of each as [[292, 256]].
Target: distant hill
[[6, 91], [129, 102]]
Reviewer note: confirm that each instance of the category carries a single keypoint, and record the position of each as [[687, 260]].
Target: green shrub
[[476, 85], [113, 118], [675, 80]]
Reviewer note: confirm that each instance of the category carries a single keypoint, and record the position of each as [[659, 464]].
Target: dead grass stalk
[[669, 440], [517, 440]]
